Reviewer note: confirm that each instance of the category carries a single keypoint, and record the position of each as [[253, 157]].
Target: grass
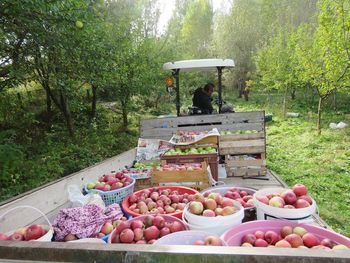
[[299, 155]]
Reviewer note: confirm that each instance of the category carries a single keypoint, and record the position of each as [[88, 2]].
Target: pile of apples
[[31, 232], [145, 231], [241, 196], [296, 197], [288, 237], [211, 206], [209, 241], [109, 182], [158, 201], [192, 150], [180, 167], [106, 229]]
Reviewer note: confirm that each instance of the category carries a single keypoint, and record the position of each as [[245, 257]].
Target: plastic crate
[[114, 196]]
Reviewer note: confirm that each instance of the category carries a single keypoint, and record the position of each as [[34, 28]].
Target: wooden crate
[[244, 144], [198, 178], [246, 168], [142, 184]]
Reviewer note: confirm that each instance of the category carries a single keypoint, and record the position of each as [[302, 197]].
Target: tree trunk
[[293, 94], [125, 118], [335, 100], [93, 102], [246, 93], [285, 104], [67, 114], [48, 110], [319, 115]]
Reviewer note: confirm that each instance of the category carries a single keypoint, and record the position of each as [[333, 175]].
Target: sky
[[167, 7]]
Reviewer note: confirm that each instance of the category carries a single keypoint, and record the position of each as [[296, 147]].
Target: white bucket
[[267, 212], [216, 225], [49, 234]]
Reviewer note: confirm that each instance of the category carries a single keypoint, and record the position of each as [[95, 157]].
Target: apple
[[299, 189], [299, 231], [16, 237], [126, 236], [263, 199], [301, 203], [138, 234], [259, 234], [340, 247], [199, 243], [212, 241], [260, 243], [310, 240], [289, 197], [107, 228], [271, 237], [210, 204], [164, 231], [246, 244], [276, 201], [159, 222], [228, 210], [327, 242], [151, 232], [33, 232], [70, 237], [3, 236], [286, 230], [283, 243], [294, 240], [79, 24], [209, 213], [248, 238], [196, 208], [306, 198]]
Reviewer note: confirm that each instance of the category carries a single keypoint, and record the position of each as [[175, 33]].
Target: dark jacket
[[202, 101]]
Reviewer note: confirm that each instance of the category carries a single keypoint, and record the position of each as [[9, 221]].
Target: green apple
[[79, 24], [91, 186]]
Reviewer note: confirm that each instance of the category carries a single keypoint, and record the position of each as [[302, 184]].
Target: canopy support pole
[[220, 87], [177, 87]]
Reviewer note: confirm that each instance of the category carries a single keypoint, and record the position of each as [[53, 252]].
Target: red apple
[[259, 234], [151, 232], [299, 189], [159, 222], [328, 243], [16, 237], [209, 213], [301, 203], [176, 226], [3, 236], [126, 236], [199, 243], [310, 240], [248, 238], [294, 240], [271, 237], [210, 204], [33, 232], [263, 199], [107, 228], [196, 208], [260, 243], [306, 198], [289, 197]]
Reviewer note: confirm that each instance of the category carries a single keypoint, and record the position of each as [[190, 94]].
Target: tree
[[324, 54]]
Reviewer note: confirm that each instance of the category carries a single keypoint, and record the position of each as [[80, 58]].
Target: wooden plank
[[168, 132], [228, 118], [50, 196], [238, 163], [239, 137], [246, 172], [242, 150]]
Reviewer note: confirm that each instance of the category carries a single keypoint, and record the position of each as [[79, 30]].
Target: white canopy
[[199, 64]]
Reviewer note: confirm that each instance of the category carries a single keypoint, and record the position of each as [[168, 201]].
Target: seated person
[[202, 98]]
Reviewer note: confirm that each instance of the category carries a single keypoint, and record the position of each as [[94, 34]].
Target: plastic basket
[[184, 238], [180, 189], [114, 196], [45, 238], [167, 218], [234, 235]]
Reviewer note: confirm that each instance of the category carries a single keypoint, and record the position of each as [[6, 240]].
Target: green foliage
[[296, 154]]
